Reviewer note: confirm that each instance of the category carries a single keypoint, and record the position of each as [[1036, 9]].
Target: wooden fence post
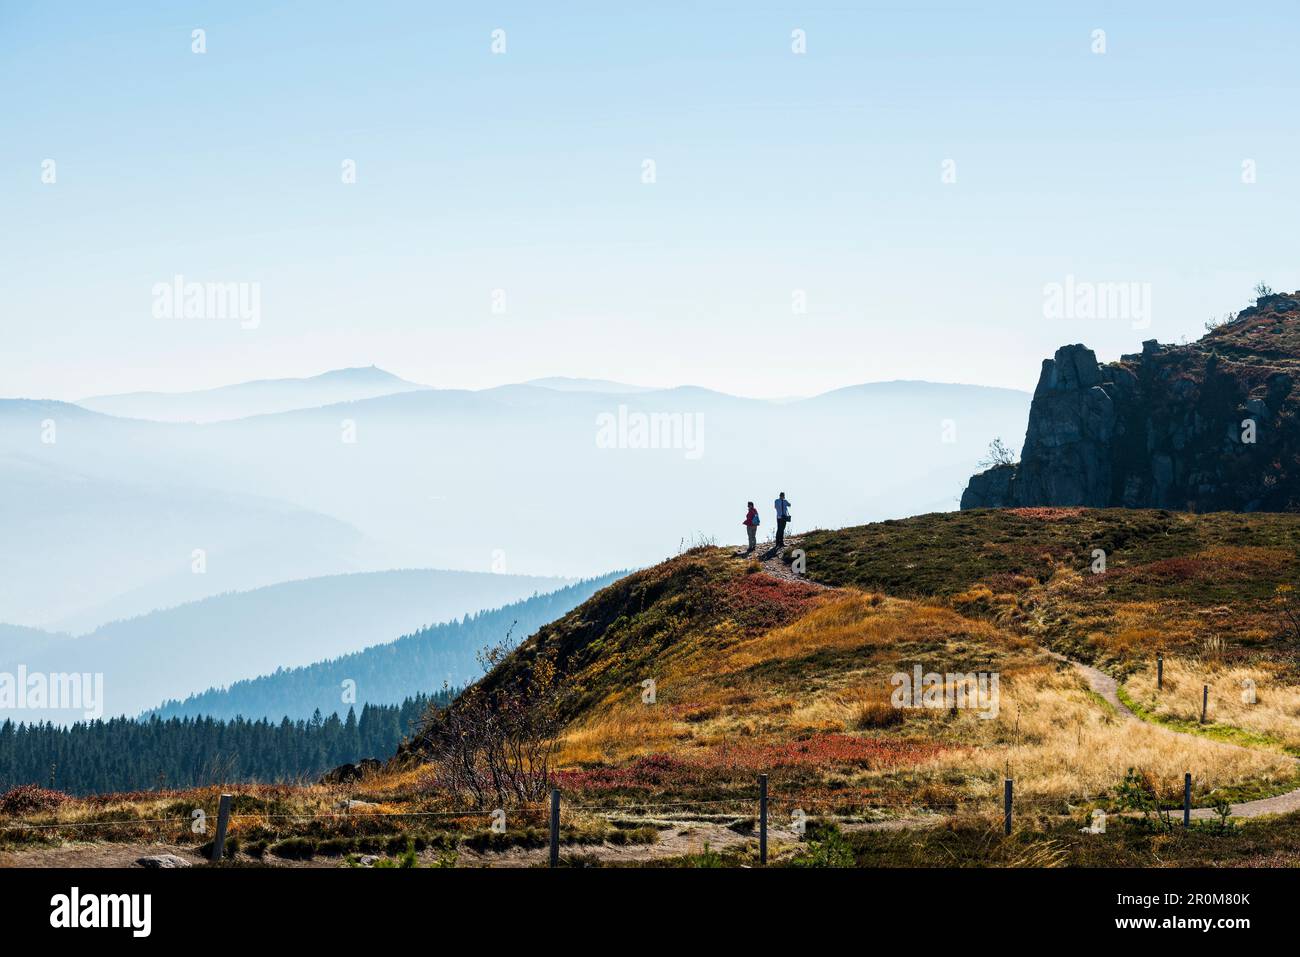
[[1187, 799], [223, 821], [1160, 671], [555, 827], [1205, 701], [1006, 806], [762, 818]]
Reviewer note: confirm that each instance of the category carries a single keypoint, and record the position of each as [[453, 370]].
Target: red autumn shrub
[[1046, 514], [762, 602], [26, 798], [824, 751], [652, 771]]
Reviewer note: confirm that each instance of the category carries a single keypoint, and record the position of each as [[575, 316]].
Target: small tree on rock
[[999, 453]]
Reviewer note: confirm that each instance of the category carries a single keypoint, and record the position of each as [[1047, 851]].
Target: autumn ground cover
[[1253, 704], [821, 686], [1180, 583], [685, 681]]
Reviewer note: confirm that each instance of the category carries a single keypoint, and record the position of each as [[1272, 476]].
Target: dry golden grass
[[167, 815], [1274, 713], [704, 699], [857, 620], [1125, 630], [1057, 742], [622, 730]]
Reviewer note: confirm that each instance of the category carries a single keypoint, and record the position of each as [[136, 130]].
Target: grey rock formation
[[1207, 426]]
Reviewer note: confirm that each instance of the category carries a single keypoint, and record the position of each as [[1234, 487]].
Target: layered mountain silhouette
[[178, 651], [568, 384], [387, 673], [111, 516], [261, 397]]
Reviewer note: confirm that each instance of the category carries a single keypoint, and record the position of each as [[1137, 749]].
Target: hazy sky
[[523, 172]]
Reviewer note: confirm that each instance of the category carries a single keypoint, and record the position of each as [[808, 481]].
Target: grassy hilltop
[[755, 672], [756, 669]]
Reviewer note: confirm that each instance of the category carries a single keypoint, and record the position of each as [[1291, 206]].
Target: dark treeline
[[388, 673], [125, 754]]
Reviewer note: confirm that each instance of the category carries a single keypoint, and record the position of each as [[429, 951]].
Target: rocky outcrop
[[1209, 426], [348, 773]]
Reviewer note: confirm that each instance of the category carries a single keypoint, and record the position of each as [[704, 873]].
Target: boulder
[[348, 773]]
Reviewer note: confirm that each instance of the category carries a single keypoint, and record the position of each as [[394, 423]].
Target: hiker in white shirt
[[782, 519]]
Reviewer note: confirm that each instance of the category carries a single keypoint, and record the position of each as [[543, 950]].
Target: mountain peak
[[370, 373], [257, 397], [560, 383]]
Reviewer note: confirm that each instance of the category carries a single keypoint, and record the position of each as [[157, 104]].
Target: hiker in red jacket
[[751, 526]]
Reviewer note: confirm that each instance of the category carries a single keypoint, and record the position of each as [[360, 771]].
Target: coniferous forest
[[388, 673], [227, 735], [125, 754]]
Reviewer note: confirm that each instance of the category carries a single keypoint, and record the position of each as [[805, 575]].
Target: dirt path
[[93, 854], [772, 560], [1108, 688], [676, 839], [1102, 684]]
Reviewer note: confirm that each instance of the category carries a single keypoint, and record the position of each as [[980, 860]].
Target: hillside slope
[[759, 672], [756, 671]]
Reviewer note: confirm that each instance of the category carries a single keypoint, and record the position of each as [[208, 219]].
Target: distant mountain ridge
[[388, 673], [568, 384], [259, 397], [17, 641], [177, 651], [454, 478], [82, 547]]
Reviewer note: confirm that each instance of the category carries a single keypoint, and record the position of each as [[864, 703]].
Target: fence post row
[[224, 807], [555, 827], [223, 821]]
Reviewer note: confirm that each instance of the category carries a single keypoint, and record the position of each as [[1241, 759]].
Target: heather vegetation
[[654, 707]]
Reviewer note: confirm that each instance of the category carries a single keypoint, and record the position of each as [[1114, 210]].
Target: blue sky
[[522, 172]]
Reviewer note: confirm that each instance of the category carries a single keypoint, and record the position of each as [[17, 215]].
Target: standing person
[[782, 519], [751, 526]]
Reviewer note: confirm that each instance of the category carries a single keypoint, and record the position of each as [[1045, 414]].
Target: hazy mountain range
[[107, 517], [252, 398], [178, 651], [420, 662]]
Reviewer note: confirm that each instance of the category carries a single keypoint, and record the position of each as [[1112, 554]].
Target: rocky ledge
[[1209, 426]]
